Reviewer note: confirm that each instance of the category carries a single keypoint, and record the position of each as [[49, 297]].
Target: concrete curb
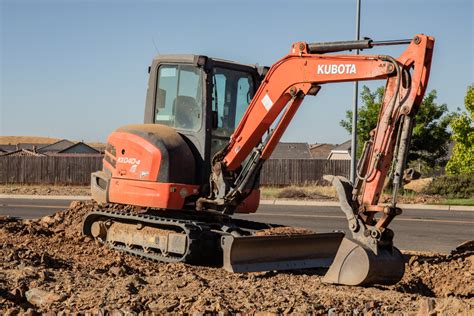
[[263, 202], [402, 206]]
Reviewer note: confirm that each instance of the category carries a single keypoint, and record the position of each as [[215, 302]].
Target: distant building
[[21, 153], [55, 147], [291, 151], [341, 152], [15, 147], [62, 147], [78, 149], [8, 148], [320, 151]]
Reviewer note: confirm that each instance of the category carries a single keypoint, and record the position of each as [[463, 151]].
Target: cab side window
[[178, 100]]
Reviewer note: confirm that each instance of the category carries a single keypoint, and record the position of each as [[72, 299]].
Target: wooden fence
[[48, 170], [301, 171], [77, 170]]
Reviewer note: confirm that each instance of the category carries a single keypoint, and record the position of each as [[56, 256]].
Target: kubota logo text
[[132, 161], [336, 69]]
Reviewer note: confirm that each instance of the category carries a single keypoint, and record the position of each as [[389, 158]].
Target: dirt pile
[[440, 276], [47, 265]]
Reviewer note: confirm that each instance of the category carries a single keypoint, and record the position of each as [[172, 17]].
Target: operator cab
[[201, 97]]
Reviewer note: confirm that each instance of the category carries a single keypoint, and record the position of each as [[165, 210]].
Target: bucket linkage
[[369, 257]]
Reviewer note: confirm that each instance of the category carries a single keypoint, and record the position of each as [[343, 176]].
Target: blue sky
[[78, 69]]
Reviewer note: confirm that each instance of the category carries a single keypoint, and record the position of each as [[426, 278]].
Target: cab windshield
[[179, 97], [232, 92]]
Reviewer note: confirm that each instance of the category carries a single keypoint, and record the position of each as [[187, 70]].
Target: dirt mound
[[300, 194], [284, 231], [418, 185], [47, 265], [440, 276]]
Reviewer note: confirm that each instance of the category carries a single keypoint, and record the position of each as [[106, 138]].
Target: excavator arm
[[301, 73], [370, 256]]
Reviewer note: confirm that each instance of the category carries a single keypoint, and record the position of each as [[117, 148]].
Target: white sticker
[[168, 72], [267, 102]]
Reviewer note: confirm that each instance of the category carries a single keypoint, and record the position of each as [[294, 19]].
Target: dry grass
[[307, 192], [13, 140], [5, 140]]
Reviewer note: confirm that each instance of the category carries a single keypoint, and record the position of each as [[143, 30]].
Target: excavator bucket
[[356, 265], [363, 259], [279, 252]]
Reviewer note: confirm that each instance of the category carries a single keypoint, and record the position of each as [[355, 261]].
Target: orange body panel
[[150, 194], [136, 158], [134, 177]]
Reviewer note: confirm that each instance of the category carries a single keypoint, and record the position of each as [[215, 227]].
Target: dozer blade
[[279, 252], [356, 265]]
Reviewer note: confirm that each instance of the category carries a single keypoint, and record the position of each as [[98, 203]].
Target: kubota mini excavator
[[210, 124]]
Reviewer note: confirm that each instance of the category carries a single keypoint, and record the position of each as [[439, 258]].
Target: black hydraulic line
[[391, 42], [331, 47], [402, 154]]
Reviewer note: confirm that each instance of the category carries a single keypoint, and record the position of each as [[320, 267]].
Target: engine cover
[[147, 165]]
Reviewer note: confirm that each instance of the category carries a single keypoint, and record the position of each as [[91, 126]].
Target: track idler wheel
[[357, 265]]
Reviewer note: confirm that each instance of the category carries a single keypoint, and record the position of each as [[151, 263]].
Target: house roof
[[345, 146], [15, 147], [56, 147], [291, 151], [320, 151], [31, 146], [22, 152], [79, 148], [8, 148]]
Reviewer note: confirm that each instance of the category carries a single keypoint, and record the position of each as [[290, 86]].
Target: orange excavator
[[210, 124]]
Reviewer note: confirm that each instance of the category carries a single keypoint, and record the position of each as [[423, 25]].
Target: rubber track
[[192, 229]]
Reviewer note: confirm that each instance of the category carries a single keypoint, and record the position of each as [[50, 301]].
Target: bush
[[455, 186]]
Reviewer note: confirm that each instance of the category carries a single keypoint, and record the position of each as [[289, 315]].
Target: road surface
[[420, 230]]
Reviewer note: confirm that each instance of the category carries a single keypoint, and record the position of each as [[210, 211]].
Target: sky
[[78, 69]]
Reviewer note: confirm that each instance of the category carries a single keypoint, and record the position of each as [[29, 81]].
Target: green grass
[[468, 202]]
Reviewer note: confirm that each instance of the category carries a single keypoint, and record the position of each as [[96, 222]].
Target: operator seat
[[187, 112]]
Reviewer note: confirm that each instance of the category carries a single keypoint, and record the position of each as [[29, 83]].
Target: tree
[[430, 137], [462, 159], [367, 116]]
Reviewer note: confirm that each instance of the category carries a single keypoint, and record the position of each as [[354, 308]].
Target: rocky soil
[[46, 265]]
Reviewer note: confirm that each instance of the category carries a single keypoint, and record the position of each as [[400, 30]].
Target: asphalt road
[[420, 230]]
